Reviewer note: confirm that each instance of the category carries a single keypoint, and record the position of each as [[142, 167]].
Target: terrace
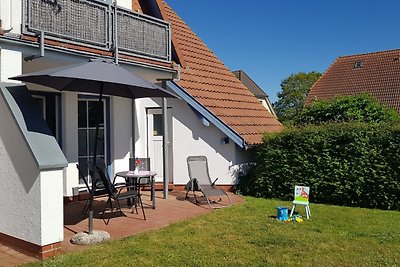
[[174, 209]]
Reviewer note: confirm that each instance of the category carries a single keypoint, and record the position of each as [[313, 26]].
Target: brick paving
[[174, 209]]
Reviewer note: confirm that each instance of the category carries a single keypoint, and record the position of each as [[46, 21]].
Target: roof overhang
[[209, 116]]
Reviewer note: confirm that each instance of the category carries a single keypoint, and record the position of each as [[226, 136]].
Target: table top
[[136, 174]]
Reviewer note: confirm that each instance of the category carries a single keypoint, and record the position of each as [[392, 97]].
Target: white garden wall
[[32, 206]]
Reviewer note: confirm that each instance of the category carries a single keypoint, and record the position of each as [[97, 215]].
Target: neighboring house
[[255, 89], [377, 74], [216, 115]]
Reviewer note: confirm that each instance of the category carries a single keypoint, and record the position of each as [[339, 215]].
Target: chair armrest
[[213, 183], [127, 187]]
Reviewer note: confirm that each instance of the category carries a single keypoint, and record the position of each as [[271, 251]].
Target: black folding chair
[[122, 193], [99, 191]]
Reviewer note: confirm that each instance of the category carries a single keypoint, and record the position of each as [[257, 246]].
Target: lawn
[[249, 235]]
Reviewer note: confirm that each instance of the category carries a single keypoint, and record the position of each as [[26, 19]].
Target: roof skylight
[[358, 64]]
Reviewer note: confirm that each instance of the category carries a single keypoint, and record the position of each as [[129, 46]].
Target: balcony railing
[[91, 23]]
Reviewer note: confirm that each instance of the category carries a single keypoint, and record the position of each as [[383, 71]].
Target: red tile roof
[[211, 83], [378, 75]]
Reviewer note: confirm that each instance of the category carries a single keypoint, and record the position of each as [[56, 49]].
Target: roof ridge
[[370, 53]]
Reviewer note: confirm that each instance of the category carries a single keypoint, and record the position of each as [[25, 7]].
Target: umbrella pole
[[94, 178]]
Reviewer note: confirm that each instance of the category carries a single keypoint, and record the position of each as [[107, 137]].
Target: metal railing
[[91, 23]]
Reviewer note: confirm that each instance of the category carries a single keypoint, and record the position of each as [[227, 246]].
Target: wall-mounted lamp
[[225, 140]]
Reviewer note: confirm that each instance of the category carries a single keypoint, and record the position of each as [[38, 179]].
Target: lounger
[[200, 181]]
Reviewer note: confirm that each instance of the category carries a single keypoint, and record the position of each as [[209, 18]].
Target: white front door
[[155, 141]]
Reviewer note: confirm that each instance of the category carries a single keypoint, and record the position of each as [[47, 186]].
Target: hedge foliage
[[361, 108], [351, 164]]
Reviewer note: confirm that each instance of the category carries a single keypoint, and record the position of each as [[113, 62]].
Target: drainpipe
[[165, 143], [41, 46], [133, 111], [115, 32]]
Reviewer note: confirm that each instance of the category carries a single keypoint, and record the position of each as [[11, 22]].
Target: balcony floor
[[174, 209]]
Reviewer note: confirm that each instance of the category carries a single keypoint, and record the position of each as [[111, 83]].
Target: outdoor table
[[133, 177]]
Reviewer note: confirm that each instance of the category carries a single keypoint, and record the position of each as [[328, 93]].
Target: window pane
[[82, 142], [157, 125], [82, 114], [100, 142], [93, 108]]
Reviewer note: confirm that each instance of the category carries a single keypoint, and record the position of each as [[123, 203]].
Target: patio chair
[[122, 193], [200, 181], [99, 191]]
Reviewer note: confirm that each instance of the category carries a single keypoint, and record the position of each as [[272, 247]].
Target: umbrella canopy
[[101, 77], [88, 76]]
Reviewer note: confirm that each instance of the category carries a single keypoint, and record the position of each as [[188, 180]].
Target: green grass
[[248, 235]]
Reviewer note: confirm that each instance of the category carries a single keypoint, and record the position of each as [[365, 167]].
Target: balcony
[[92, 23]]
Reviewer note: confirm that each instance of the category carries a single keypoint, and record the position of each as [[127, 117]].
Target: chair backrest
[[198, 168], [101, 164], [110, 188], [83, 178], [143, 166]]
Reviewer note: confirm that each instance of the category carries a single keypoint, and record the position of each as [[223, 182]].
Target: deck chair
[[122, 193], [99, 191], [200, 181]]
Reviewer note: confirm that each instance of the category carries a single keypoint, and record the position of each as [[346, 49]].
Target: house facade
[[377, 74], [214, 114]]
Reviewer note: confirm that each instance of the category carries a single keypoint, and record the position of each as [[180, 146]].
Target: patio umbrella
[[96, 76]]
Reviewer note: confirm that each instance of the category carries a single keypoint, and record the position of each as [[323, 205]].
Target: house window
[[48, 105], [358, 64], [157, 125], [87, 116]]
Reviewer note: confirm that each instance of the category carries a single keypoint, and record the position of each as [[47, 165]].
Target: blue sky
[[272, 39]]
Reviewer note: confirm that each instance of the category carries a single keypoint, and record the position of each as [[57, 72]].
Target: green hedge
[[352, 164]]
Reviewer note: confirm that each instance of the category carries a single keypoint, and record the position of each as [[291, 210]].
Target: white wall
[[10, 64], [10, 15], [51, 206], [125, 3], [191, 137], [120, 128], [70, 140], [27, 194]]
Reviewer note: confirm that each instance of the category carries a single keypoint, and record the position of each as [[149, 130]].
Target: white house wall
[[125, 4], [10, 15], [120, 128], [10, 64], [69, 103], [192, 138]]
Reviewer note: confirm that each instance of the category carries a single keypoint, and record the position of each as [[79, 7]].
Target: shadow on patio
[[167, 211]]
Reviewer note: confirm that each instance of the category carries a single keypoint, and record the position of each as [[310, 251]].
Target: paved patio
[[174, 209]]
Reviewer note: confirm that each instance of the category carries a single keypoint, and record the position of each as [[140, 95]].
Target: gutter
[[193, 103]]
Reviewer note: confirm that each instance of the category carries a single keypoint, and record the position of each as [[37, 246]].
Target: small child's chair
[[301, 197]]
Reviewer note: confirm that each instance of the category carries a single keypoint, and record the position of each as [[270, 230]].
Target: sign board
[[301, 194]]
